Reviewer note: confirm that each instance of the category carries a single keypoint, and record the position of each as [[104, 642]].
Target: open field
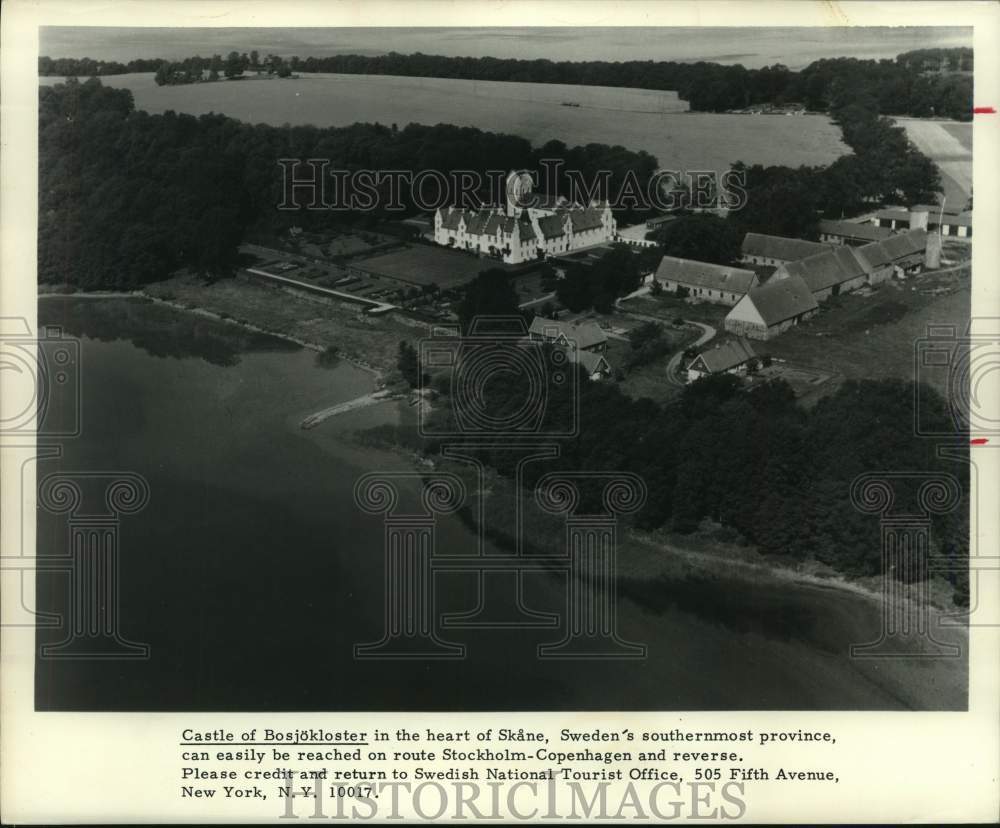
[[949, 144], [637, 119], [422, 265], [872, 337]]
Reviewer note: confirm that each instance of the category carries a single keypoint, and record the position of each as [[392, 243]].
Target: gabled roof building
[[704, 281], [731, 357], [528, 227], [769, 310], [853, 233], [838, 270], [761, 249], [577, 336]]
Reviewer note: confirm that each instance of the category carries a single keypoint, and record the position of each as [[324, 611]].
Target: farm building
[[907, 252], [732, 357], [704, 281], [769, 310], [761, 249], [582, 336], [927, 217], [838, 270], [851, 232]]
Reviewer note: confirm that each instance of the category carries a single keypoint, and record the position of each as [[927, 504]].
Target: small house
[[732, 357], [576, 336]]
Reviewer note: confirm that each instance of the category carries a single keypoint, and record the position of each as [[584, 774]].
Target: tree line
[[922, 83], [232, 67], [127, 197], [755, 462]]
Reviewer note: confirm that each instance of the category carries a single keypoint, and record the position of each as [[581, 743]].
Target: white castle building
[[529, 227]]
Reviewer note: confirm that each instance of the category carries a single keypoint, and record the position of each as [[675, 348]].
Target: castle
[[528, 227]]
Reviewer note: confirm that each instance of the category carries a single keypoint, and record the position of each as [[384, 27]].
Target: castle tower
[[519, 186]]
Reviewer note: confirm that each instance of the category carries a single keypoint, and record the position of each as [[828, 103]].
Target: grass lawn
[[372, 340], [650, 380], [669, 308]]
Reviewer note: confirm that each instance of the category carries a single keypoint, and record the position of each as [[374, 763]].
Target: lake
[[637, 119], [252, 574]]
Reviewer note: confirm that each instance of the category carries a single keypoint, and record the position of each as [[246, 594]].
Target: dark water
[[251, 573]]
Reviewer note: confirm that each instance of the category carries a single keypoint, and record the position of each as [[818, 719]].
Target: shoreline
[[664, 557], [378, 375], [646, 556]]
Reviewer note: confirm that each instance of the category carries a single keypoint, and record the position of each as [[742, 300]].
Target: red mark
[[978, 441], [984, 110]]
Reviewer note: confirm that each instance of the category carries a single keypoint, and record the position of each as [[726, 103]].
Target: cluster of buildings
[[584, 343], [782, 281], [527, 227]]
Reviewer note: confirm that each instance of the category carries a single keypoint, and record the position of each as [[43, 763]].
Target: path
[[363, 401], [707, 332]]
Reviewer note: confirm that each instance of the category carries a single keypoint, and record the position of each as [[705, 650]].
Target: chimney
[[932, 253], [919, 218]]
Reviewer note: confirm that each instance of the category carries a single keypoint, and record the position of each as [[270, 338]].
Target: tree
[[234, 65], [408, 363], [254, 59], [919, 179], [490, 294], [704, 237]]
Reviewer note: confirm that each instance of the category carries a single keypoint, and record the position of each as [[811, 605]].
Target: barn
[[838, 270], [769, 310], [851, 232], [703, 281], [761, 249]]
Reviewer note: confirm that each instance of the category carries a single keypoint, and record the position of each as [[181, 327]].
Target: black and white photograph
[[485, 369], [499, 411]]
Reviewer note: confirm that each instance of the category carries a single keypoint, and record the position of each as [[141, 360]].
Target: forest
[[126, 198], [775, 473], [922, 83]]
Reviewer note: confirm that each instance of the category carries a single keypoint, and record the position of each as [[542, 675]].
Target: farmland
[[637, 119], [949, 145]]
